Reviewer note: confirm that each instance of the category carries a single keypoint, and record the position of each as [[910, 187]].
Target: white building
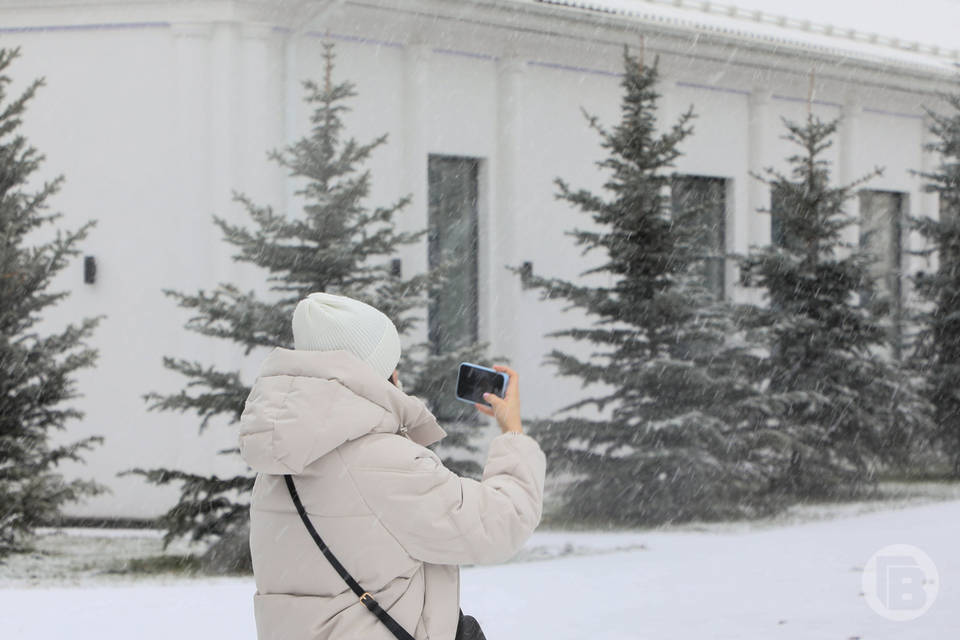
[[155, 111]]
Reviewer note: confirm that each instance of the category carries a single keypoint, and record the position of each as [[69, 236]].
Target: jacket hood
[[305, 404]]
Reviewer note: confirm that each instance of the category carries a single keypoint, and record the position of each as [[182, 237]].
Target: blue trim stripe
[[565, 67], [86, 27], [466, 54], [708, 87], [896, 114], [357, 39], [795, 99]]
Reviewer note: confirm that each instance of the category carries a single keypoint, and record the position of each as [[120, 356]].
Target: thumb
[[495, 401]]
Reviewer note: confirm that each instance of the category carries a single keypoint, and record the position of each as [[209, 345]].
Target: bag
[[467, 627]]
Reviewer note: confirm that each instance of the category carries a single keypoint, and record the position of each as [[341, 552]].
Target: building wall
[[157, 112]]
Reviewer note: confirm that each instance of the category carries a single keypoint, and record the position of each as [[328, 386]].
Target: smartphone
[[473, 381]]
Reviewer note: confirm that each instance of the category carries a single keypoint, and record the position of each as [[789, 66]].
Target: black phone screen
[[473, 382]]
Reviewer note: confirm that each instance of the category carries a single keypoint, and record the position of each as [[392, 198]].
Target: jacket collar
[[352, 372]]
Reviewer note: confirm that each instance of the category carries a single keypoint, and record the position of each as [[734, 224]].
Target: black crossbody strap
[[365, 597]]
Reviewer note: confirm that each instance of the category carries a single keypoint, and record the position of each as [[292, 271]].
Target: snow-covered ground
[[798, 582], [784, 579]]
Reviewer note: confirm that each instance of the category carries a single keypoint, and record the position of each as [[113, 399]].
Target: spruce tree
[[37, 370], [937, 348], [839, 404], [674, 440], [339, 245]]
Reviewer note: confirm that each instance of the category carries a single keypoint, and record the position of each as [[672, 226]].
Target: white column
[[501, 290], [224, 117], [206, 103], [758, 153], [293, 100], [754, 228], [262, 115], [929, 202], [192, 52], [667, 115], [225, 120], [667, 88], [929, 161], [415, 147], [299, 16], [847, 168]]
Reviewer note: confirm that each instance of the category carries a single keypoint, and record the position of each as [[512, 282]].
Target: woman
[[395, 517]]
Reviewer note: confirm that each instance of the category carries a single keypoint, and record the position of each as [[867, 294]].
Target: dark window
[[701, 202], [452, 313], [949, 209], [778, 237], [881, 236]]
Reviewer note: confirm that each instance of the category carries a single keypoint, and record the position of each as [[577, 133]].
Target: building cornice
[[451, 18], [524, 27]]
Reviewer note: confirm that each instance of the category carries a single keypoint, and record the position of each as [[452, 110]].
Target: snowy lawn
[[782, 579]]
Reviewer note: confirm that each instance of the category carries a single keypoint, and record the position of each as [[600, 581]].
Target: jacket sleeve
[[441, 518]]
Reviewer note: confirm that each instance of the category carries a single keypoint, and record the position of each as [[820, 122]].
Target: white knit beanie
[[325, 322]]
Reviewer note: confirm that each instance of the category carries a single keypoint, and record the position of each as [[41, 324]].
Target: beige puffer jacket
[[395, 517]]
